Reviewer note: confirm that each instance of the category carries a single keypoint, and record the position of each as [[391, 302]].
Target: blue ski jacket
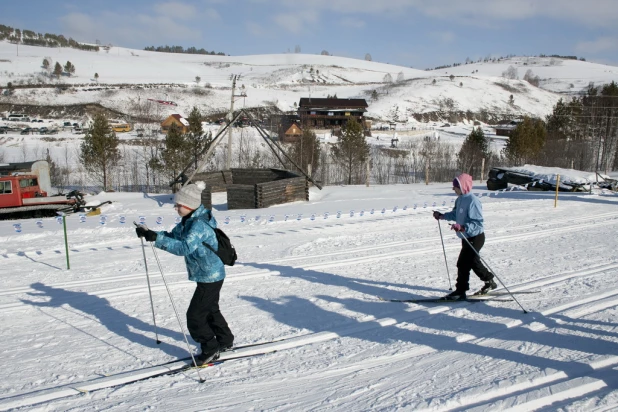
[[186, 239], [468, 212]]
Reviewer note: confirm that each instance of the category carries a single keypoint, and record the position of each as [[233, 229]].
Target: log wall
[[254, 188], [281, 191]]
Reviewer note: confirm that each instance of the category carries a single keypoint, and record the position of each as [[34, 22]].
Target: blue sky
[[414, 33]]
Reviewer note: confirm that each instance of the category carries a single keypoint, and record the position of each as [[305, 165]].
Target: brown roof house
[[291, 133], [178, 120], [330, 112]]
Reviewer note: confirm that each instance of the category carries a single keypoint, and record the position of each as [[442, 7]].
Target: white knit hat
[[190, 195]]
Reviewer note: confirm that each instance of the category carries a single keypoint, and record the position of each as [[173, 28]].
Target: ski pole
[[182, 328], [154, 320], [448, 275], [494, 273]]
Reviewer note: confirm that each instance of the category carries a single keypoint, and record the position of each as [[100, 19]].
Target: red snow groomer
[[24, 189], [21, 197]]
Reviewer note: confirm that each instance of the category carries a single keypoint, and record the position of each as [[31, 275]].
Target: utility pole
[[229, 131], [243, 94]]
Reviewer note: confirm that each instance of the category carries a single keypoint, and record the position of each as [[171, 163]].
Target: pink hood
[[465, 183]]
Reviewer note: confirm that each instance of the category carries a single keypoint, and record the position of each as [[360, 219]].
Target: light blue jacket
[[468, 212], [186, 240]]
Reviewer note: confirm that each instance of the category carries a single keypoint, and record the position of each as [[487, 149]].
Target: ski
[[521, 292], [251, 345], [191, 366], [228, 351], [441, 300]]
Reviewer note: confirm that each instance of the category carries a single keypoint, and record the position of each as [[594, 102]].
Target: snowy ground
[[314, 283]]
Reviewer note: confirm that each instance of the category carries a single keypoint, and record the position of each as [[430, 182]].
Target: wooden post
[[557, 184], [427, 173], [367, 175], [66, 240], [482, 170]]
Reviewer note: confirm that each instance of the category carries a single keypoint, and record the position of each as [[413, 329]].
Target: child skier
[[205, 322], [468, 217]]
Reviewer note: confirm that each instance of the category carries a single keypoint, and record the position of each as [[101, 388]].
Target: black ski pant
[[468, 260], [205, 322]]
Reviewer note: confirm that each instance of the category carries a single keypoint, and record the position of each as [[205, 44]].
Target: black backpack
[[226, 251]]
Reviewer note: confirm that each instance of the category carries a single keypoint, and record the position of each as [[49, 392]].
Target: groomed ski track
[[529, 387], [558, 381]]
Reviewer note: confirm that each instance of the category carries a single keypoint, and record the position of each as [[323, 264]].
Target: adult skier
[[468, 217], [205, 322]]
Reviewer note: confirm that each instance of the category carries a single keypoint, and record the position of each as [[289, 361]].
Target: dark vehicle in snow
[[501, 177]]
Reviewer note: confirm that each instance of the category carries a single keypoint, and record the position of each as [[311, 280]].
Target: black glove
[[437, 215], [146, 233]]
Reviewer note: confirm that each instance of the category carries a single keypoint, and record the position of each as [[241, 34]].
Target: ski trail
[[47, 395]]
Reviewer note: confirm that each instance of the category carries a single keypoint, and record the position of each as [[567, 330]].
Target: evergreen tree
[[69, 68], [46, 64], [96, 77], [526, 141], [474, 149], [173, 156], [196, 139], [306, 150], [57, 70], [99, 151], [351, 151]]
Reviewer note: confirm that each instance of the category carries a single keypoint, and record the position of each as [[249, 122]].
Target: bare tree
[[510, 73], [531, 78]]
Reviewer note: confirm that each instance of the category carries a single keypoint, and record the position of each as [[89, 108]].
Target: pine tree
[[57, 70], [197, 141], [526, 141], [306, 150], [174, 153], [351, 151], [46, 64], [67, 67], [474, 149], [96, 77], [99, 151]]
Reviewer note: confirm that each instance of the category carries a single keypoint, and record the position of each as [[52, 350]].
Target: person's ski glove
[[458, 228], [143, 231], [437, 215]]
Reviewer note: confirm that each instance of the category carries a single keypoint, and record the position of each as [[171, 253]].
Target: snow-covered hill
[[283, 79]]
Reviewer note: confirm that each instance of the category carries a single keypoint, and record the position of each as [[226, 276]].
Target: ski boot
[[487, 287]]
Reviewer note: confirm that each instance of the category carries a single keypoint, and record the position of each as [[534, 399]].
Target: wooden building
[[506, 127], [291, 133], [254, 188], [330, 113], [178, 120]]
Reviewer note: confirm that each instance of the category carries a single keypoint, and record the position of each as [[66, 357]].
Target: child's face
[[182, 210], [457, 191]]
